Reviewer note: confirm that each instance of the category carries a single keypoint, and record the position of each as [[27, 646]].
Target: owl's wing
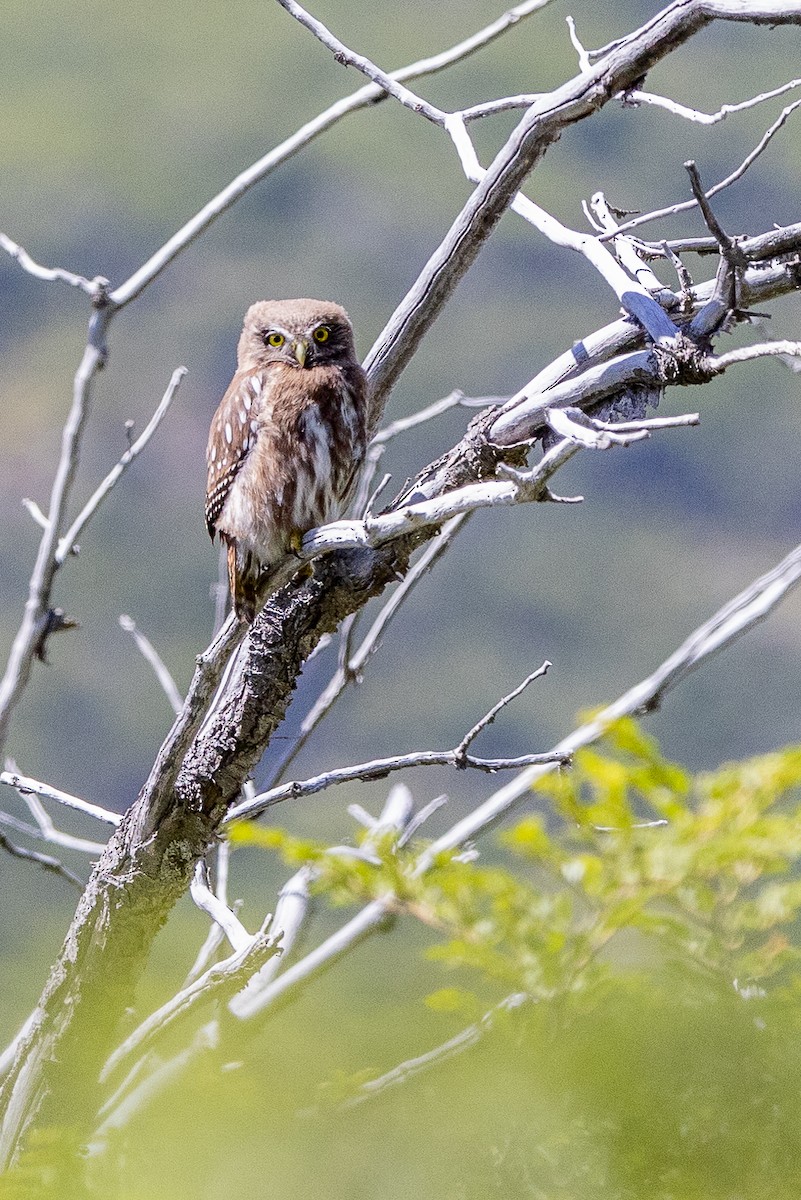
[[233, 434]]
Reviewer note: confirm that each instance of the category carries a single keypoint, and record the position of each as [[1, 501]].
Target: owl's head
[[301, 333]]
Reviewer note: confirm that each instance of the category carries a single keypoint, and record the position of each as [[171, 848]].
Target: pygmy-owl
[[288, 438]]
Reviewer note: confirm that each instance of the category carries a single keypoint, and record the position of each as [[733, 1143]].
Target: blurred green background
[[119, 123]]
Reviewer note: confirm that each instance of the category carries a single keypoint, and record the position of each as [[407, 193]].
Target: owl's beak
[[300, 349]]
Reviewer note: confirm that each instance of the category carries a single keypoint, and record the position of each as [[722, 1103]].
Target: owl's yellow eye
[[275, 340], [322, 334]]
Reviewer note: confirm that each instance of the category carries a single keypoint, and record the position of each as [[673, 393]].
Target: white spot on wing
[[229, 433]]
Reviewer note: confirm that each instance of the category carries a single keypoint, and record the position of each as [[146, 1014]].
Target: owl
[[288, 439]]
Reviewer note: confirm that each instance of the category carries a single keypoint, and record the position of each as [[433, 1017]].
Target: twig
[[730, 622], [779, 349], [685, 205], [216, 908], [25, 785], [291, 912], [27, 641], [489, 717], [455, 399], [505, 104], [92, 287], [440, 1054], [46, 830], [221, 981], [128, 1099], [626, 248], [33, 508], [377, 768], [216, 935], [349, 58], [574, 424], [585, 63], [702, 118], [152, 656], [727, 247], [45, 861], [210, 669], [67, 545], [262, 992], [747, 353]]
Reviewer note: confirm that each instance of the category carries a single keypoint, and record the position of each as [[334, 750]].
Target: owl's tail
[[243, 577]]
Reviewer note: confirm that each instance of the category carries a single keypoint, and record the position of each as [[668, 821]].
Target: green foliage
[[626, 994], [631, 858], [645, 922]]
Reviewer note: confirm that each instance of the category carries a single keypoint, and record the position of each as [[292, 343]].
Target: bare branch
[[585, 63], [214, 907], [702, 118], [33, 508], [519, 487], [216, 935], [626, 249], [461, 1041], [635, 298], [45, 861], [291, 912], [67, 545], [221, 981], [685, 205], [779, 349], [152, 656], [259, 170], [93, 287], [27, 641], [622, 66], [574, 424], [455, 399], [349, 58], [729, 623], [505, 104], [24, 785], [378, 768], [46, 830], [489, 717], [132, 1096]]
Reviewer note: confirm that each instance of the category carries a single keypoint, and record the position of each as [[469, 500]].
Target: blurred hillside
[[119, 123]]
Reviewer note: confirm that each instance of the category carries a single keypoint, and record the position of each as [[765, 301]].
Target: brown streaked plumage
[[288, 438]]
